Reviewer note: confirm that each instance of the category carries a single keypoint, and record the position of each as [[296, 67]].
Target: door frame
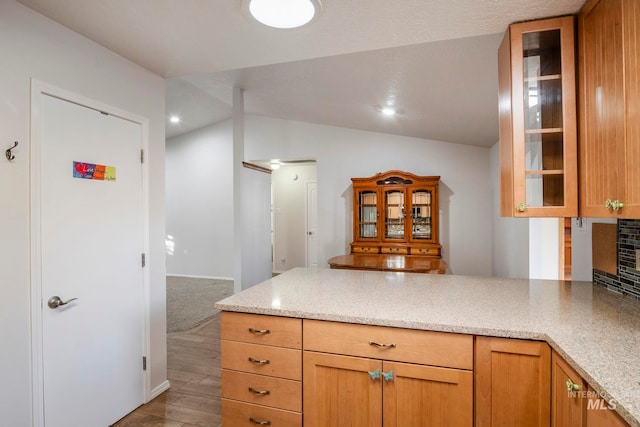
[[39, 89], [306, 223]]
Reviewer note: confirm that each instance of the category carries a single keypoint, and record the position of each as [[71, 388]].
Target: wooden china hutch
[[395, 224]]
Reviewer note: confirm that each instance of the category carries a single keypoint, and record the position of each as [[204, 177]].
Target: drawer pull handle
[[259, 362], [377, 344], [260, 392], [260, 423], [259, 331]]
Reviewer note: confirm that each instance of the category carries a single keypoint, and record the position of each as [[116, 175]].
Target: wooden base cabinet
[[574, 403], [354, 389], [261, 370], [512, 382], [567, 388], [291, 372]]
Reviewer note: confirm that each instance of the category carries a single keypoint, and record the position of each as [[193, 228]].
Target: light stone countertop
[[596, 331]]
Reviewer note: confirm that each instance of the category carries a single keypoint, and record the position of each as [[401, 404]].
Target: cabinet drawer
[[262, 359], [395, 250], [411, 346], [261, 329], [261, 390], [424, 251], [239, 414], [364, 249]]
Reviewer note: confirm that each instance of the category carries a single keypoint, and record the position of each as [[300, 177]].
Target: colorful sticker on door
[[95, 172]]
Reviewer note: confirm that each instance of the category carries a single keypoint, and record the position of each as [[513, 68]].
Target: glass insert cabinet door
[[539, 126], [394, 216], [368, 214], [421, 215], [543, 130]]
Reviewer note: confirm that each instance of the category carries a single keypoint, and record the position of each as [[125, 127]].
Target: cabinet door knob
[[571, 386], [375, 374], [616, 205], [521, 207], [388, 376]]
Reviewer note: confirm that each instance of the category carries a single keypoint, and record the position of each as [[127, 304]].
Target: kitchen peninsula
[[595, 331]]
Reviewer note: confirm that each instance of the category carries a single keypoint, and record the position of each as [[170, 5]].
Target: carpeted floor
[[190, 301]]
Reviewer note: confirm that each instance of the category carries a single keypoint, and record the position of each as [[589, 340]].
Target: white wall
[[510, 235], [465, 192], [545, 251], [255, 226], [32, 46], [199, 181], [290, 214]]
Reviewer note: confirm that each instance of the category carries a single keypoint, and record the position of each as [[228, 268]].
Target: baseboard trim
[[199, 277], [159, 390]]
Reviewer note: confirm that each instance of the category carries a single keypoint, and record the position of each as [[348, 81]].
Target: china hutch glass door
[[368, 214], [394, 214], [421, 215]]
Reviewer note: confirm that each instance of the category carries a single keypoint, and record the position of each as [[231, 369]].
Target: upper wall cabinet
[[609, 108], [538, 134]]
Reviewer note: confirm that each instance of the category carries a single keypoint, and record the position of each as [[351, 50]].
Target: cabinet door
[[427, 396], [393, 224], [422, 226], [601, 105], [366, 217], [609, 108], [512, 382], [341, 391], [567, 388], [543, 135], [600, 413]]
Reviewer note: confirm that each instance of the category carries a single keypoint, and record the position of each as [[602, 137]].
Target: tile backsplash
[[627, 281]]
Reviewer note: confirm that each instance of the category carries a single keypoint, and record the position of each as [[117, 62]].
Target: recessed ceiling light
[[284, 13], [388, 111], [174, 119]]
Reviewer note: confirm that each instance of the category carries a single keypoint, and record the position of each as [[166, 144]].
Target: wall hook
[[8, 153]]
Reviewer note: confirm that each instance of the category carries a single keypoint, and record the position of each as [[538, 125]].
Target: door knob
[[55, 302]]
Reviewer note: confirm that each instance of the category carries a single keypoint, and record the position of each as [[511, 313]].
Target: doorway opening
[[294, 214]]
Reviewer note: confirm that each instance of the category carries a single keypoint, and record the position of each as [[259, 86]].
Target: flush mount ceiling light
[[174, 119], [284, 13]]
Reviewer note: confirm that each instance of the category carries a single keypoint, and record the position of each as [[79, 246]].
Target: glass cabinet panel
[[421, 215], [543, 118], [368, 215], [394, 214]]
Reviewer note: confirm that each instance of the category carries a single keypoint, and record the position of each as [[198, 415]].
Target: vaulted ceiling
[[435, 60]]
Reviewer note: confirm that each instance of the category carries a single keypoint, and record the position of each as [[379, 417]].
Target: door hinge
[[144, 260], [144, 363], [141, 156]]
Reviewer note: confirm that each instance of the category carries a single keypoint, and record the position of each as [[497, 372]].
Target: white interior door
[[91, 244], [312, 224]]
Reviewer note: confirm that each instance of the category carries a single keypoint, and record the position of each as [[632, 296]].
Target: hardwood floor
[[193, 362]]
